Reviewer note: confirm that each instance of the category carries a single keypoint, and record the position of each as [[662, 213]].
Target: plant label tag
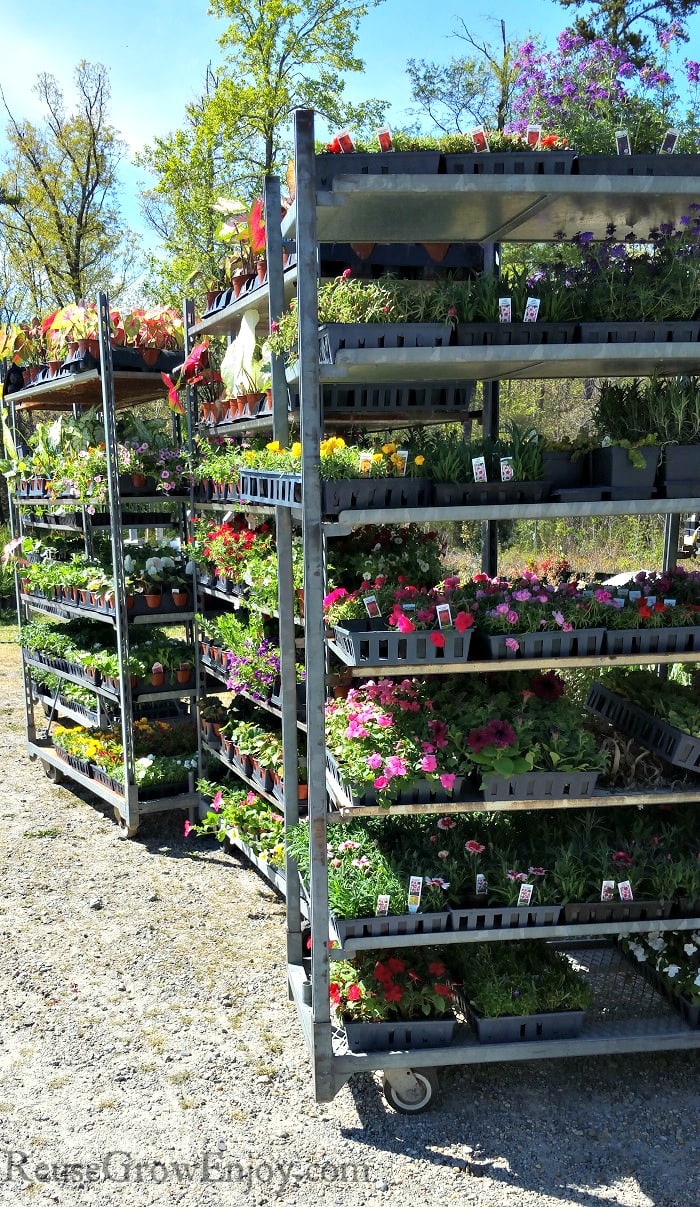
[[668, 145], [624, 888], [533, 135], [384, 138], [372, 607], [482, 884], [650, 601], [532, 309], [505, 310], [525, 894], [507, 471], [622, 142], [382, 905], [408, 608], [444, 616], [481, 142], [669, 603], [479, 469], [415, 888], [635, 595], [345, 141], [619, 602], [607, 891], [365, 464], [401, 455]]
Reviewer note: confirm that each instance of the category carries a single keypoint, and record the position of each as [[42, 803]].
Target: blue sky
[[157, 52]]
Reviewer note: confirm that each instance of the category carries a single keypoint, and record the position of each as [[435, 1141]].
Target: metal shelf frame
[[486, 209]]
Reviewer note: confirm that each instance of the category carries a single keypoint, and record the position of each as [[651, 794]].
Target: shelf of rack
[[268, 796], [63, 711], [222, 676], [490, 209], [85, 389], [508, 511], [45, 751], [492, 665], [63, 611], [222, 321]]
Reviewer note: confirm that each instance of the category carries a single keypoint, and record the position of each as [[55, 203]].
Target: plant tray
[[473, 335], [510, 163], [423, 792], [637, 165], [564, 1024], [399, 1036], [102, 778], [77, 764], [640, 333], [347, 494], [263, 486], [579, 643], [407, 260], [276, 697], [616, 911], [403, 398], [540, 785], [675, 640], [375, 163], [261, 776], [358, 644], [480, 494], [504, 917], [672, 744], [688, 1009], [388, 925], [338, 337]]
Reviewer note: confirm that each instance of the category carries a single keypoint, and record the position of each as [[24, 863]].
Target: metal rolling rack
[[404, 209], [112, 391]]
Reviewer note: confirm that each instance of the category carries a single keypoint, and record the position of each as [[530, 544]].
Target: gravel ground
[[149, 1055]]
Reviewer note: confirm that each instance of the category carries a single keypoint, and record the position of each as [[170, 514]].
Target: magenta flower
[[217, 801], [395, 766], [512, 644], [512, 617], [447, 779], [428, 763], [446, 823], [501, 734], [188, 827], [375, 761], [473, 847], [380, 782]]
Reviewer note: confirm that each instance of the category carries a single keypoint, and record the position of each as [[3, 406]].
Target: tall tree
[[475, 90], [279, 55], [61, 223], [624, 23]]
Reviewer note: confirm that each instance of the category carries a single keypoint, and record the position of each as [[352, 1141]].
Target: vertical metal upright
[[310, 402], [490, 426]]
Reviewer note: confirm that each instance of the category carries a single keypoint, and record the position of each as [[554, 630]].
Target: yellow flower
[[419, 460], [397, 461], [377, 457], [296, 449], [274, 446], [388, 448]]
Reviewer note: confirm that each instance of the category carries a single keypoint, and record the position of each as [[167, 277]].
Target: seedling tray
[[358, 644], [672, 744]]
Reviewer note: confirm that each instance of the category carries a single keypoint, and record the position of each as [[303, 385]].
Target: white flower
[[424, 566], [697, 980], [366, 576], [129, 563], [376, 548], [175, 544], [167, 562], [672, 971], [689, 949], [657, 944], [153, 565]]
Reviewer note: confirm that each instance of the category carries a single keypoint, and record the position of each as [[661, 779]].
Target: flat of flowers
[[359, 645], [400, 398], [386, 926], [479, 494], [503, 917], [636, 165], [509, 163], [422, 791], [681, 639], [672, 744], [354, 337], [558, 1024], [540, 785], [689, 1011], [686, 331], [579, 643], [472, 335], [375, 163], [616, 911], [399, 1036], [346, 494], [267, 486]]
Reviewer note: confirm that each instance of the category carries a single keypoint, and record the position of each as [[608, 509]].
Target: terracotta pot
[[238, 282], [436, 251], [93, 347], [207, 412], [130, 602], [158, 679], [54, 366], [210, 296], [252, 402], [240, 404], [84, 596], [183, 674], [299, 593], [180, 598], [363, 250], [303, 792], [134, 679], [150, 356], [154, 600], [216, 728], [261, 270], [138, 480], [73, 349]]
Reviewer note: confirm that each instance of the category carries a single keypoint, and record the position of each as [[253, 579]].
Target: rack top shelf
[[221, 321], [86, 389], [482, 209]]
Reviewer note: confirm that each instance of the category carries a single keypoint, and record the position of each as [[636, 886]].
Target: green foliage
[[618, 21]]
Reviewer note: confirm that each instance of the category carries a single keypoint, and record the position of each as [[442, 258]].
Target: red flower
[[335, 994], [437, 968], [659, 606], [443, 990], [438, 640], [354, 993], [382, 972], [623, 858], [393, 993], [644, 611], [395, 965], [463, 620]]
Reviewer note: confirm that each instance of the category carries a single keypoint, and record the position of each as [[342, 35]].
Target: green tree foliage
[[467, 91], [623, 22], [61, 223]]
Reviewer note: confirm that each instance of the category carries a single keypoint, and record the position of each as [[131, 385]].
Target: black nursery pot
[[611, 468], [681, 470], [560, 470]]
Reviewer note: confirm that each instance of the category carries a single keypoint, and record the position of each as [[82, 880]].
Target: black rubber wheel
[[418, 1100]]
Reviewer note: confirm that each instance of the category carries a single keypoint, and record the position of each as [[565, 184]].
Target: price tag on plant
[[622, 142], [384, 138], [444, 616], [607, 890], [624, 888], [372, 607], [382, 905], [634, 595], [479, 469], [481, 142], [650, 601], [533, 135], [415, 888], [507, 471], [401, 455], [525, 894], [669, 603], [532, 309], [345, 141], [408, 608], [505, 310], [668, 145], [482, 884], [366, 460]]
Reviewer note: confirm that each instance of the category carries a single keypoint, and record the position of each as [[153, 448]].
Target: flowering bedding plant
[[416, 986], [517, 979], [237, 813], [674, 955]]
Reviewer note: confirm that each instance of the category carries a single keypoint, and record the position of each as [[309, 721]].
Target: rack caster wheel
[[124, 830], [52, 773], [410, 1091]]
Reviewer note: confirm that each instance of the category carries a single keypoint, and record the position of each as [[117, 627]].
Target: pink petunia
[[217, 801], [375, 761], [380, 782], [447, 779], [428, 763]]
